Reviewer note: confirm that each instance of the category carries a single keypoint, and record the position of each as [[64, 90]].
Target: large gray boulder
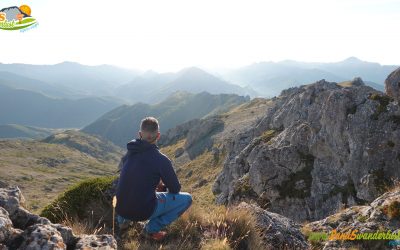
[[20, 229], [392, 85], [318, 148], [41, 236], [276, 231]]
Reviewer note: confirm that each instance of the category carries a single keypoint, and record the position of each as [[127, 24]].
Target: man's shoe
[[159, 236]]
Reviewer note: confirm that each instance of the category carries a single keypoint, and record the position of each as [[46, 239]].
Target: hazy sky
[[171, 34]]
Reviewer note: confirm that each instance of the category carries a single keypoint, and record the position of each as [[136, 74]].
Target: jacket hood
[[138, 145]]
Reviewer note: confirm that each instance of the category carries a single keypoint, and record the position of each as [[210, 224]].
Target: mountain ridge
[[264, 77], [121, 124]]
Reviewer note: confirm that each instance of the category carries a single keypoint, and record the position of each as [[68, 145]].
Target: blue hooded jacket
[[142, 168]]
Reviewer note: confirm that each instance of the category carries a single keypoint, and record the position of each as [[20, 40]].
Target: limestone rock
[[20, 229], [11, 199], [317, 148], [5, 225], [177, 133], [392, 85], [179, 152], [199, 137], [357, 82], [41, 236], [277, 232], [103, 242]]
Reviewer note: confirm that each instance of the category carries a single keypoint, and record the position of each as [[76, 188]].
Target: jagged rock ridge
[[318, 148]]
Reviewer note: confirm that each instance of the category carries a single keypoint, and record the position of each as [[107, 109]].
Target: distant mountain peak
[[352, 59], [149, 73], [68, 63], [193, 70]]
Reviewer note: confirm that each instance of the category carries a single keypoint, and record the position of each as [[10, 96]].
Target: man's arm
[[122, 161], [168, 176]]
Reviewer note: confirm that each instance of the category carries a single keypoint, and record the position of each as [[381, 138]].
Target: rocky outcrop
[[392, 85], [200, 136], [318, 148], [381, 216], [276, 231], [19, 229], [173, 135]]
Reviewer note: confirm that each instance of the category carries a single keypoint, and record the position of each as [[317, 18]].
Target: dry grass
[[85, 227], [216, 244], [223, 229], [203, 167]]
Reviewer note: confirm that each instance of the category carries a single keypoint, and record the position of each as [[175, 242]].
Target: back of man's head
[[149, 129]]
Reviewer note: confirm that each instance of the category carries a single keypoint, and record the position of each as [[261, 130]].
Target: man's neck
[[150, 142]]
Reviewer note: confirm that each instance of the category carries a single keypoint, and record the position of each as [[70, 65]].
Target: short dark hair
[[149, 125]]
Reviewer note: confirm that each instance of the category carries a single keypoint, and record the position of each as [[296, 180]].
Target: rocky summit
[[317, 148], [20, 229]]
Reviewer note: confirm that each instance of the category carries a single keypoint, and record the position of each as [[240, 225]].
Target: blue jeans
[[169, 207]]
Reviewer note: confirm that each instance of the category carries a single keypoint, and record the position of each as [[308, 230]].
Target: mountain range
[[193, 80], [121, 124], [24, 107], [270, 78], [72, 95], [77, 79]]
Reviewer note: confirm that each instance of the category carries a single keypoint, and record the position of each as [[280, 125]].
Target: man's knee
[[187, 198]]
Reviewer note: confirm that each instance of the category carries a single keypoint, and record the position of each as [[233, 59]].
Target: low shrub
[[87, 200]]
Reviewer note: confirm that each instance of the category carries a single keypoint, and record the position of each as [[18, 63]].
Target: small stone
[[179, 152], [107, 242], [200, 183], [189, 174]]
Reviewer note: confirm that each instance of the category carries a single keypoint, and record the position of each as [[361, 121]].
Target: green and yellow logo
[[17, 18]]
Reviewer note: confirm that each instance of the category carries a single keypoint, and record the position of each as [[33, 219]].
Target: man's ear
[[158, 135], [140, 134]]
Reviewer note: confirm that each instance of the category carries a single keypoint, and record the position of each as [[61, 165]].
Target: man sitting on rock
[[144, 168]]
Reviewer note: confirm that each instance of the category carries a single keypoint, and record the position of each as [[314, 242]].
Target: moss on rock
[[243, 187], [77, 201]]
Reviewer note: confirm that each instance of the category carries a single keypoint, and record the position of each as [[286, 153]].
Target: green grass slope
[[44, 170], [94, 146]]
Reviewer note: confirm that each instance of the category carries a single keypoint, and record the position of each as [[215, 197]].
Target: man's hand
[[161, 187]]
